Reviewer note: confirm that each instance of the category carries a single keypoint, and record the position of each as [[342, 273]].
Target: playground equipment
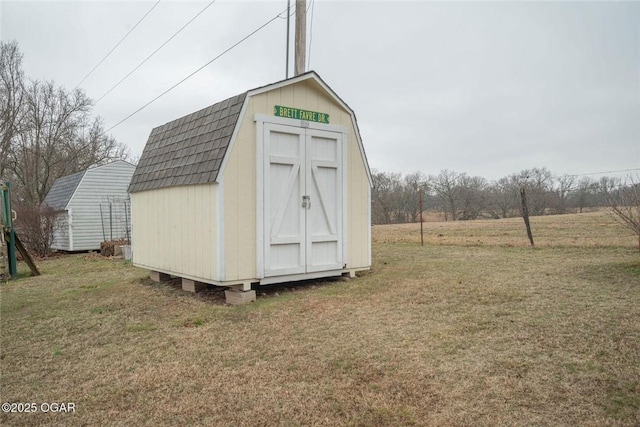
[[10, 243]]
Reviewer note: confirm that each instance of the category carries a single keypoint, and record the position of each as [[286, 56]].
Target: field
[[474, 328]]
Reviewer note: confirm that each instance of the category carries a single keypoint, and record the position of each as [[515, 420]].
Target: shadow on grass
[[215, 294], [623, 273]]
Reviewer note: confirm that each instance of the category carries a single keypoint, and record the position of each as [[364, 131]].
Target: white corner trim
[[260, 199], [369, 222], [345, 199], [70, 227]]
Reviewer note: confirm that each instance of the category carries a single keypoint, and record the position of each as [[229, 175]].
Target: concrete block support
[[192, 285], [236, 297], [156, 276]]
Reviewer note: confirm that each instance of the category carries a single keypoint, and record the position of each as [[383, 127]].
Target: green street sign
[[296, 113]]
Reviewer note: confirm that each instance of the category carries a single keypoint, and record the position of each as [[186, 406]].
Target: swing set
[[10, 243]]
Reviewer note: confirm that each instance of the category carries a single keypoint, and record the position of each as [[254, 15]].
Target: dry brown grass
[[459, 332], [593, 229]]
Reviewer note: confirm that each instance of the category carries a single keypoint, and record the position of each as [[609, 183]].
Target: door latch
[[306, 201]]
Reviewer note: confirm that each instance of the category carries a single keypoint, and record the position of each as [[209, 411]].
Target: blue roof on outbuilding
[[62, 190]]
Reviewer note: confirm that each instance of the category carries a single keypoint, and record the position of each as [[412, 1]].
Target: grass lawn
[[474, 328]]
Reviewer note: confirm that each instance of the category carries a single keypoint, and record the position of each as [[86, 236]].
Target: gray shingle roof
[[188, 150], [62, 190]]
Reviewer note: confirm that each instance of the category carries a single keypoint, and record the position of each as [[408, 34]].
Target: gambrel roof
[[62, 190], [188, 150], [65, 187], [191, 150]]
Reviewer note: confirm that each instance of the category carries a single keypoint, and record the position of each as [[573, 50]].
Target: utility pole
[[301, 36]]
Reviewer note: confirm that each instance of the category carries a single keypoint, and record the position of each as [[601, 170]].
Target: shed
[[91, 206], [268, 186]]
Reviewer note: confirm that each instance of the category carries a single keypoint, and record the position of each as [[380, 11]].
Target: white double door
[[303, 200]]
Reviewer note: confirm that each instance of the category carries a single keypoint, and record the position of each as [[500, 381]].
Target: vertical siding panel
[[215, 234], [186, 225], [287, 96], [174, 225], [196, 243], [240, 199], [231, 214], [165, 228], [189, 215], [359, 211], [61, 234], [181, 225], [300, 96], [97, 186], [153, 238], [247, 202], [257, 104], [174, 230], [207, 242], [273, 98]]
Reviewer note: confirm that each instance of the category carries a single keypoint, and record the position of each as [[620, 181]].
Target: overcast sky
[[486, 88]]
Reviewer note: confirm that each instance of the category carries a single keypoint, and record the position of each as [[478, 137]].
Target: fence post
[[525, 214]]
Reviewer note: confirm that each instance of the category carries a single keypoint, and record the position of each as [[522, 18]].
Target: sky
[[484, 88]]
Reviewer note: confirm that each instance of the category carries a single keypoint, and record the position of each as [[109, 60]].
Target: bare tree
[[382, 196], [473, 196], [538, 183], [11, 95], [414, 183], [625, 205], [606, 188], [47, 133], [584, 190], [565, 184], [538, 189], [56, 135], [37, 226], [395, 198], [447, 189], [40, 151], [503, 198]]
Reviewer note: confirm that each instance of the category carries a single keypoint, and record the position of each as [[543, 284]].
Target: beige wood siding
[[174, 231], [358, 208], [239, 183], [239, 180]]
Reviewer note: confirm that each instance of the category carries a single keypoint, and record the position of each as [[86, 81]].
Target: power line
[[155, 51], [600, 173], [117, 44], [195, 72]]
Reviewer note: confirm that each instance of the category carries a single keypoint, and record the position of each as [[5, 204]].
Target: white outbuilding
[[91, 206], [268, 186]]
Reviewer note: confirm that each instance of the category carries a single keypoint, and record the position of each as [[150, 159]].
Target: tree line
[[46, 132], [458, 196]]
